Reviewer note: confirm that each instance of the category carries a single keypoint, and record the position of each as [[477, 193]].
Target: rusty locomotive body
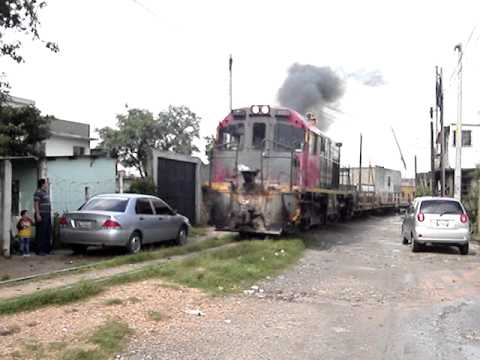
[[272, 170]]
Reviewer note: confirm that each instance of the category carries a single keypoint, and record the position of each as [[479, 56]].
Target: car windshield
[[106, 204], [441, 207]]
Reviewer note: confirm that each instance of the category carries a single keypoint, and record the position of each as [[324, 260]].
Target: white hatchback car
[[436, 221]]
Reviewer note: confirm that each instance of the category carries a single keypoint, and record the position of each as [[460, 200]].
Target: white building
[[68, 138], [470, 146]]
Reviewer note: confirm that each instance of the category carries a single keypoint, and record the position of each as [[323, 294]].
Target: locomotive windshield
[[288, 137], [232, 137]]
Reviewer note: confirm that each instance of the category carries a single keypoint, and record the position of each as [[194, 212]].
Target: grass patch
[[221, 271], [113, 302], [157, 316], [49, 297], [197, 231], [235, 268], [106, 341], [109, 337], [164, 253], [134, 300]]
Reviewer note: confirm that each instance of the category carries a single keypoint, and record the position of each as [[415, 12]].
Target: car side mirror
[[174, 212]]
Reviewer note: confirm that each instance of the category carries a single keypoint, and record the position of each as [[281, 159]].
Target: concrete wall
[[62, 146], [69, 178], [25, 172], [5, 205]]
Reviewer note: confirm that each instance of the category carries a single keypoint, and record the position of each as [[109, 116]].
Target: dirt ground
[[358, 293], [18, 266]]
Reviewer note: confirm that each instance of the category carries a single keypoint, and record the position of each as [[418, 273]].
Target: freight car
[[273, 170]]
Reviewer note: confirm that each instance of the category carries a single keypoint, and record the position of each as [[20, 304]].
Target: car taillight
[[111, 224], [421, 217], [63, 220], [464, 218]]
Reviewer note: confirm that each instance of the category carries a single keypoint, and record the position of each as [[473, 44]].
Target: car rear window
[[441, 207], [101, 204]]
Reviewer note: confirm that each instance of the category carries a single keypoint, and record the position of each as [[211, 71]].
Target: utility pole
[[230, 64], [360, 169], [442, 130], [432, 156], [458, 131], [415, 171]]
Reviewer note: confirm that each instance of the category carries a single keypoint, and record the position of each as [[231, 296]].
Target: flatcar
[[273, 170]]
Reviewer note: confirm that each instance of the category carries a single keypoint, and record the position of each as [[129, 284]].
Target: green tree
[[139, 131], [178, 127], [19, 17], [22, 130], [209, 144]]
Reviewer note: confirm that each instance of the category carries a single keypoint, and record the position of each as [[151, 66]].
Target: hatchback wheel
[[182, 236], [134, 243], [416, 247], [464, 249]]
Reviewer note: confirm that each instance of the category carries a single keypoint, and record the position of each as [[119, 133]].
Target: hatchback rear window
[[441, 207], [100, 204]]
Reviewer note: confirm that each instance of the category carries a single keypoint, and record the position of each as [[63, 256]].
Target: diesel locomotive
[[272, 170]]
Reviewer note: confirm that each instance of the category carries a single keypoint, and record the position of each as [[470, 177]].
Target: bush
[[143, 186]]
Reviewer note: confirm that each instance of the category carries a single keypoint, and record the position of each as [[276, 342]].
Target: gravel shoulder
[[357, 293]]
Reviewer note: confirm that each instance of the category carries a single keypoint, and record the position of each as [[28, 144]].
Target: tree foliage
[[19, 17], [178, 127], [22, 130], [138, 131]]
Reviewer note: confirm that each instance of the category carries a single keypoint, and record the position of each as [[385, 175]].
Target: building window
[[466, 138], [258, 138], [78, 150]]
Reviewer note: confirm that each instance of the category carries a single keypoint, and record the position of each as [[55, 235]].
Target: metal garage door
[[176, 185]]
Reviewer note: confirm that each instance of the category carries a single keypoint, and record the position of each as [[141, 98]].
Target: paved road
[[357, 294]]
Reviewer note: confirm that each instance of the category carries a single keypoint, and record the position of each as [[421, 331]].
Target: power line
[[144, 7], [465, 47]]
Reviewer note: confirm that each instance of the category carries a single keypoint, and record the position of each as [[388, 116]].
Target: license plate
[[84, 224], [443, 223]]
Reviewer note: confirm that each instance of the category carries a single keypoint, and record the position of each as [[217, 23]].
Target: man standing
[[43, 231]]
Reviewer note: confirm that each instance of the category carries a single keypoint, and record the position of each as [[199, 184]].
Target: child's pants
[[25, 246]]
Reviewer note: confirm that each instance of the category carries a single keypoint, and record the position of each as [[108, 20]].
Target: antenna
[[399, 149]]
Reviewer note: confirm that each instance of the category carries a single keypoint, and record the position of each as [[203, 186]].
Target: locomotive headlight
[[265, 109], [255, 109]]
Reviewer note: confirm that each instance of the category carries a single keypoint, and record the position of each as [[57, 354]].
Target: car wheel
[[134, 243], [464, 249], [182, 236], [416, 247], [79, 249]]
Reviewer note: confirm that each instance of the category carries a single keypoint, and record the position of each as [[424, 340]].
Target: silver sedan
[[122, 220]]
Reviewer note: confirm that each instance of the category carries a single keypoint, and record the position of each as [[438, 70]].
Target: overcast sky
[[150, 54]]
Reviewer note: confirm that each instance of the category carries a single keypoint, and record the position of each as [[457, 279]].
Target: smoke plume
[[311, 88], [369, 78]]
